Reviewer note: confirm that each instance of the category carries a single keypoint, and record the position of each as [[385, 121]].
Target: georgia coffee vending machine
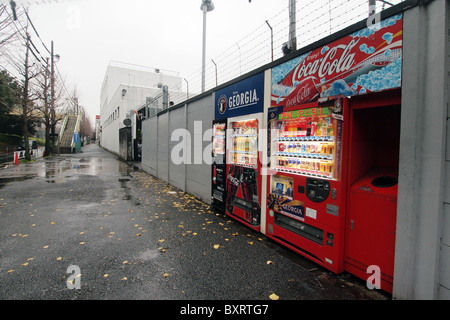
[[306, 187]]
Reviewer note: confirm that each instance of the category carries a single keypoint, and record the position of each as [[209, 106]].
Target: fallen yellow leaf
[[273, 296], [165, 275], [216, 246], [269, 262]]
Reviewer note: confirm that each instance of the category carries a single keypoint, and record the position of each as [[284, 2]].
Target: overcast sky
[[167, 35], [88, 34]]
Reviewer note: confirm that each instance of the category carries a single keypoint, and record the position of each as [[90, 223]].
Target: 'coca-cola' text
[[331, 63]]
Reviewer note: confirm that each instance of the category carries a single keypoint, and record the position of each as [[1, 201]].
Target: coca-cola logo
[[304, 92], [336, 60]]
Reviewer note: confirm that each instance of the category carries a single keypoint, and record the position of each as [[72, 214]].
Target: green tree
[[10, 93]]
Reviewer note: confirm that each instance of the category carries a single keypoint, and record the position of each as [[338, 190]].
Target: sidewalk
[[134, 237]]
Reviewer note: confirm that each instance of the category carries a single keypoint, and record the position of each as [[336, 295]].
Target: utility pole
[[291, 44], [25, 100], [372, 7], [292, 24], [52, 103]]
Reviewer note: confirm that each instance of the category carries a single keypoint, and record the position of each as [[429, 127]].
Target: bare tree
[[29, 72], [8, 31], [86, 128], [45, 108]]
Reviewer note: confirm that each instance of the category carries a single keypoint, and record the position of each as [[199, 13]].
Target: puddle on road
[[149, 255], [60, 169], [5, 181]]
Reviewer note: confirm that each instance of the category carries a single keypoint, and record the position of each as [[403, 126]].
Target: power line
[[32, 25]]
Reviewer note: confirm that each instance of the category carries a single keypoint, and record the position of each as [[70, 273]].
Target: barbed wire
[[316, 19]]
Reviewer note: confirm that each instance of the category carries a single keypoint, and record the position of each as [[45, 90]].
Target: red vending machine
[[243, 170], [306, 187], [373, 165]]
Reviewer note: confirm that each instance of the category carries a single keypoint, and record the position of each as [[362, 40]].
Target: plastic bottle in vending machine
[[314, 122], [303, 125], [298, 167], [320, 127]]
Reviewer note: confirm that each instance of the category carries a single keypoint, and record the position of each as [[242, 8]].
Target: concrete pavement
[[90, 227]]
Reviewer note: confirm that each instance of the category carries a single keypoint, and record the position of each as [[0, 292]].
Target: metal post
[[271, 37], [204, 47], [215, 66], [187, 88]]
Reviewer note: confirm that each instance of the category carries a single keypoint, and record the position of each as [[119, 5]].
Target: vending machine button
[[333, 194]]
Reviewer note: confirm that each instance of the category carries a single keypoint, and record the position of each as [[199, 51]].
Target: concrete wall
[[125, 144], [150, 145], [422, 252], [177, 172], [180, 132], [422, 259], [200, 115]]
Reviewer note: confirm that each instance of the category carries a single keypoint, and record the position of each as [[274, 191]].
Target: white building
[[125, 89]]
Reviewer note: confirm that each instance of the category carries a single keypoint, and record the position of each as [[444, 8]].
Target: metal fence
[[316, 19]]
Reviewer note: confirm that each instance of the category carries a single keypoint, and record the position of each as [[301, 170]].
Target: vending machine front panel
[[243, 167], [219, 168], [306, 189]]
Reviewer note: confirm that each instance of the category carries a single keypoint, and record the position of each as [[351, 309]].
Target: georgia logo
[[222, 104]]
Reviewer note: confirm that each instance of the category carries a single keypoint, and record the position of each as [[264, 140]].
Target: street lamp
[[207, 6]]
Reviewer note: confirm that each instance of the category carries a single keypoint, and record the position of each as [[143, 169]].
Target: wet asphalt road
[[134, 237]]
